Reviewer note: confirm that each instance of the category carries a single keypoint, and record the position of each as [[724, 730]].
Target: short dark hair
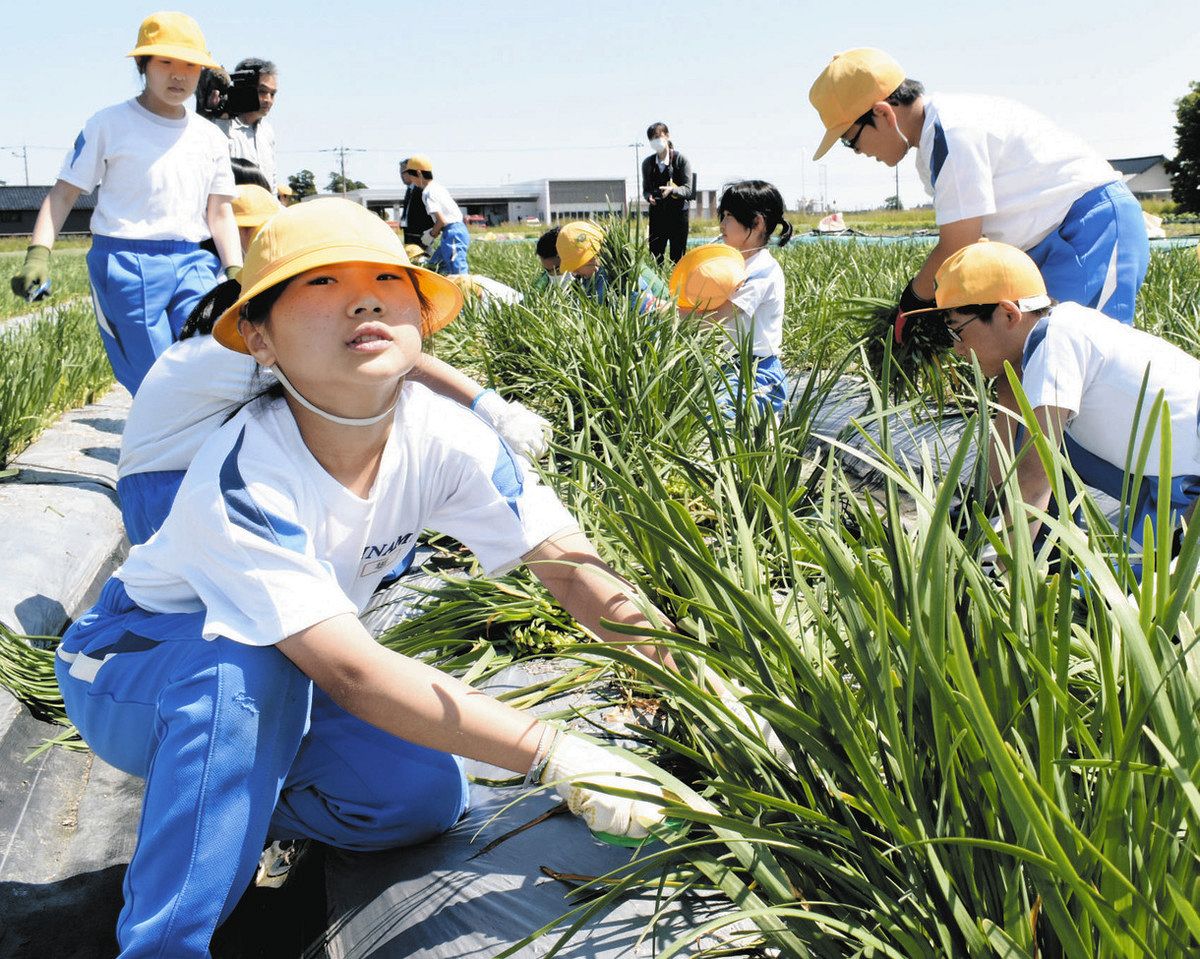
[[255, 63], [141, 62], [748, 199], [547, 244], [246, 172], [902, 96], [655, 129]]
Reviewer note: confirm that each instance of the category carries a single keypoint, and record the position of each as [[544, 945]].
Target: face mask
[[658, 144]]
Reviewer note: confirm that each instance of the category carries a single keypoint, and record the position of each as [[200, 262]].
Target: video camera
[[221, 95]]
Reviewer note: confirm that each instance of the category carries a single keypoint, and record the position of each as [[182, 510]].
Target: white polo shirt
[[1000, 160], [759, 303], [252, 141], [155, 174], [1080, 360], [266, 543], [437, 199]]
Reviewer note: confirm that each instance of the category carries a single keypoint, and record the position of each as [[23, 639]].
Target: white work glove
[[427, 239], [730, 694], [573, 761], [527, 433]]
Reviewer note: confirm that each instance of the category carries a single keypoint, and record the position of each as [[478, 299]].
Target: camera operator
[[251, 135]]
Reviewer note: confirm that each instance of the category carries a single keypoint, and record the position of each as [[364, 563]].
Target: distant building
[[1146, 177], [19, 207], [550, 201]]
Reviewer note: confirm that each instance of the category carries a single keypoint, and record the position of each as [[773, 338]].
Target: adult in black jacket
[[413, 214], [667, 187]]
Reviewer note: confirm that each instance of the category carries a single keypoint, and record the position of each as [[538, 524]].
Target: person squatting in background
[[667, 188], [547, 253], [414, 218], [749, 213], [1091, 381], [448, 227], [580, 244], [225, 662], [167, 186]]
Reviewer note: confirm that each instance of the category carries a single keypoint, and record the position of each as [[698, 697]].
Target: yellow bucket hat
[[327, 232], [578, 242], [419, 162], [707, 276], [253, 205], [848, 87], [173, 35], [985, 272]]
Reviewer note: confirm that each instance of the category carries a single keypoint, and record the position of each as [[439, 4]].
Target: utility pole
[[23, 152], [637, 180], [898, 206], [341, 152]]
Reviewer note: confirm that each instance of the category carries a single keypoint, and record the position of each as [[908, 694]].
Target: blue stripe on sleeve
[[506, 477], [243, 511], [940, 151], [78, 148]]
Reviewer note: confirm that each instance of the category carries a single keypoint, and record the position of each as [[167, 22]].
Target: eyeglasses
[[956, 331], [852, 142]]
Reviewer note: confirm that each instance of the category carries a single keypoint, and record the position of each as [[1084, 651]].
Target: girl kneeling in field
[[225, 661]]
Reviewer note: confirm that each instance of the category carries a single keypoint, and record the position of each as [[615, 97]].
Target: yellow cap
[[173, 35], [853, 82], [419, 162], [988, 273], [578, 242], [327, 232], [284, 190], [253, 205], [470, 287], [416, 252], [707, 276]]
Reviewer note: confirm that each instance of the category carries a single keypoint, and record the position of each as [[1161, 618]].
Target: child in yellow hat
[[167, 184], [225, 661], [579, 245], [1091, 380]]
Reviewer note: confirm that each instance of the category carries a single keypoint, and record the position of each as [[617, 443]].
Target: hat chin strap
[[333, 417]]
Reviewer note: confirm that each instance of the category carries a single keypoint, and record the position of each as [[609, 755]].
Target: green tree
[[340, 184], [893, 203], [1185, 168], [303, 183]]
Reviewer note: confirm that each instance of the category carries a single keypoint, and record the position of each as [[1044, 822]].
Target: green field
[[975, 764]]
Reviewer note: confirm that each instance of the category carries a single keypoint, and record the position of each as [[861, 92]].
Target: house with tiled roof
[[19, 207]]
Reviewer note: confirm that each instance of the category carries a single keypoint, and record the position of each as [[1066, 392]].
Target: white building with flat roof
[[550, 200]]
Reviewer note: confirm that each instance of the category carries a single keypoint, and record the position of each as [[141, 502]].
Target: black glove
[[909, 301]]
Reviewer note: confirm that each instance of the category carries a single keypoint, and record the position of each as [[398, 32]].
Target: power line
[[341, 152]]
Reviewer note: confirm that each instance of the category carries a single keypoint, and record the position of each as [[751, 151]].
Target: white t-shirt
[[1083, 361], [266, 543], [191, 389], [994, 158], [759, 302], [493, 291], [437, 199], [156, 174], [253, 142]]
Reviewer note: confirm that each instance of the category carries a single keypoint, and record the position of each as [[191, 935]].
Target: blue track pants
[[143, 291], [1099, 256], [236, 747], [450, 257], [770, 386]]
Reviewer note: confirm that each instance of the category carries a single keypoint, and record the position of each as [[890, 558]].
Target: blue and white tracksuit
[[450, 257]]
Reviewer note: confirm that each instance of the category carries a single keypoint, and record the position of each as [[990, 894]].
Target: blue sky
[[497, 91]]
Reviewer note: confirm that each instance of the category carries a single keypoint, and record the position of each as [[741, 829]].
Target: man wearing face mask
[[667, 187]]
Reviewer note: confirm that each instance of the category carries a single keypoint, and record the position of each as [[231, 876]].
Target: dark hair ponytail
[[748, 199], [205, 314]]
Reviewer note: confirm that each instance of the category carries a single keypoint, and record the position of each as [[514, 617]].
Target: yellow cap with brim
[[848, 87], [470, 287], [328, 232], [253, 205], [578, 243], [419, 162], [707, 276], [175, 36], [982, 273]]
